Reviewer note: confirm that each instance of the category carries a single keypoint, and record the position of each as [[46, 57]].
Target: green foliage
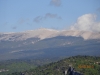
[[20, 65], [16, 67], [58, 68]]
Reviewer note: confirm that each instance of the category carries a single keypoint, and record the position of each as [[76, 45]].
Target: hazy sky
[[22, 15]]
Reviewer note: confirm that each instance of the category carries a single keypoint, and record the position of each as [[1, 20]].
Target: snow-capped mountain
[[44, 33]]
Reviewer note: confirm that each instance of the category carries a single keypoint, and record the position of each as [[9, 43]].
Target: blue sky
[[22, 15]]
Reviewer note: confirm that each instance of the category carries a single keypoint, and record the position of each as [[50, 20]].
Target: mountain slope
[[60, 46]]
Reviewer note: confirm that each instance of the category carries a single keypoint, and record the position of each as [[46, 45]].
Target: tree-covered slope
[[86, 65], [19, 65]]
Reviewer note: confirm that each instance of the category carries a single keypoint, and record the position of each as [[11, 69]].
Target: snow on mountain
[[47, 33]]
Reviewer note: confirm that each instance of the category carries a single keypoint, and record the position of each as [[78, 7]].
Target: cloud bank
[[87, 22], [55, 2]]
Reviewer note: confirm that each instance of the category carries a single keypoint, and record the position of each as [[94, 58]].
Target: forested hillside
[[20, 65], [87, 65]]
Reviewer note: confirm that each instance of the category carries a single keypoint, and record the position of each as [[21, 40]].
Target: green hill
[[87, 65]]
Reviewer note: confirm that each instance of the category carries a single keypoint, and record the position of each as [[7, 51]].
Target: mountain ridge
[[44, 33]]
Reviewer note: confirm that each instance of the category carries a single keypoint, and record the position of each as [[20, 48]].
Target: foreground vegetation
[[86, 65], [20, 65]]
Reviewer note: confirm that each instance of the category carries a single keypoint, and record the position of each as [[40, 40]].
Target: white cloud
[[14, 27], [47, 15], [87, 22], [50, 15], [55, 2], [21, 21], [98, 9], [38, 19]]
